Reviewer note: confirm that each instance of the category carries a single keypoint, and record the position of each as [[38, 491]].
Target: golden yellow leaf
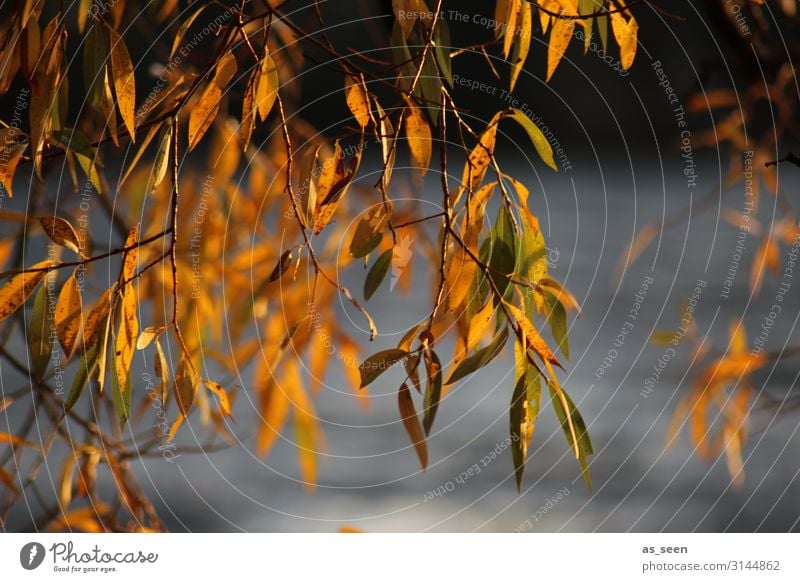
[[96, 318], [331, 186], [161, 370], [560, 292], [203, 113], [306, 424], [69, 311], [222, 396], [11, 153], [249, 109], [462, 268], [61, 232], [738, 339], [500, 15], [267, 86], [357, 100], [479, 324], [625, 32], [387, 144], [206, 108], [560, 35], [225, 70], [107, 107], [143, 146], [320, 350], [66, 479], [480, 158], [147, 335], [523, 44], [102, 354], [131, 256], [87, 472], [544, 17], [512, 15], [161, 163], [351, 357], [185, 387], [21, 286], [531, 336], [128, 332], [124, 82], [418, 133], [274, 410]]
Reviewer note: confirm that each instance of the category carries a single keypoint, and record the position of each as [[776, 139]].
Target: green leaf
[[516, 418], [377, 274], [503, 251], [176, 42], [411, 365], [533, 254], [122, 398], [378, 363], [429, 87], [602, 27], [281, 266], [41, 324], [95, 57], [587, 7], [523, 413], [442, 40], [88, 364], [161, 163], [557, 319], [479, 359], [74, 141], [401, 54], [535, 134], [185, 387], [368, 234], [584, 443], [433, 391]]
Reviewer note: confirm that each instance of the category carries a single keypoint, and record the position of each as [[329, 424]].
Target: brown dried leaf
[[412, 425], [62, 233]]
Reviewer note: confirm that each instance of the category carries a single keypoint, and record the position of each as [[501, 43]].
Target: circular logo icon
[[31, 555]]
